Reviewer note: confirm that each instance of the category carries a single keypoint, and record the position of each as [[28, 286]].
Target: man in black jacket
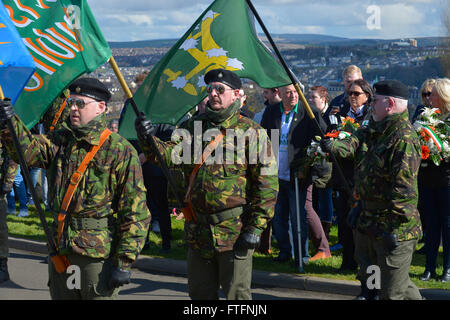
[[289, 123]]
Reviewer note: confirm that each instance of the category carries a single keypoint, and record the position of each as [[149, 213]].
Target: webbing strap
[[188, 210], [206, 153], [218, 217], [58, 114], [75, 180]]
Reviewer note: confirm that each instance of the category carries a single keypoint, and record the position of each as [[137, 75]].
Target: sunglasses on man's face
[[426, 94], [219, 89], [79, 103]]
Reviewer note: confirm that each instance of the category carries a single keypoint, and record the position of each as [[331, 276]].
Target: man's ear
[[391, 104], [101, 107], [236, 93]]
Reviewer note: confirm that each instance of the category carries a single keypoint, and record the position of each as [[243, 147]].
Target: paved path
[[319, 288], [29, 276]]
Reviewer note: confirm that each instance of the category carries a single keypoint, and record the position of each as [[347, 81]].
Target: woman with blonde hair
[[425, 93], [440, 96], [435, 187]]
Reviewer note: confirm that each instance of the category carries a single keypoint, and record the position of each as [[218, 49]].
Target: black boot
[[446, 275], [4, 274], [428, 275], [147, 242], [364, 294], [373, 295], [165, 245]]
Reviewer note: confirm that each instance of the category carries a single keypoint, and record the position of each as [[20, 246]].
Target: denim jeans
[[325, 204], [37, 174], [285, 212], [19, 187], [436, 204]]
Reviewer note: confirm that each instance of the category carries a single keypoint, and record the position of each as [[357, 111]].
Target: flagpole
[[129, 95], [26, 174], [300, 93]]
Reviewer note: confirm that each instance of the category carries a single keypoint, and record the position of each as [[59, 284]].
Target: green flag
[[222, 37], [65, 42]]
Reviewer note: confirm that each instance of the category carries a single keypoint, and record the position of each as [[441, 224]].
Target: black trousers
[[345, 233], [158, 204]]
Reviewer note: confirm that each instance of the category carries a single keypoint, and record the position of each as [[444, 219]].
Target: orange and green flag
[[65, 42]]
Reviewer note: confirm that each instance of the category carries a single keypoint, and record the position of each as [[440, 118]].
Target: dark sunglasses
[[219, 89], [355, 93], [426, 94], [80, 104]]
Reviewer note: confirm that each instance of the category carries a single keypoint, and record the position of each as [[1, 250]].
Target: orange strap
[[188, 210], [58, 114], [75, 180], [206, 153]]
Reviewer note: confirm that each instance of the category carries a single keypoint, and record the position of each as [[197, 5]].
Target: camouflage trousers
[[231, 270], [394, 266], [3, 227], [93, 284]]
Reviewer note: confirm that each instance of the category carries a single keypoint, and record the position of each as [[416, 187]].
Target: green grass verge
[[30, 228]]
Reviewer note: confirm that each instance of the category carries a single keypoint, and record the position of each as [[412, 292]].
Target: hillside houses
[[313, 65]]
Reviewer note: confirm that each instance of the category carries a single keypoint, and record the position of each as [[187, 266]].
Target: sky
[[133, 20]]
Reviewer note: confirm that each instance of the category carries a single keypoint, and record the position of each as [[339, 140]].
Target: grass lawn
[[30, 228]]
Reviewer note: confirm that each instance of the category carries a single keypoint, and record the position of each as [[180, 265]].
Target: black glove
[[390, 241], [320, 169], [6, 110], [248, 240], [353, 215], [119, 277], [144, 127], [326, 144]]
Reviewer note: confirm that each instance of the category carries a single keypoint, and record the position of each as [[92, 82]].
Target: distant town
[[314, 63]]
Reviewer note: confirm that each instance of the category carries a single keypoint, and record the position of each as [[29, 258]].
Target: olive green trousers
[[92, 283], [230, 270], [395, 283]]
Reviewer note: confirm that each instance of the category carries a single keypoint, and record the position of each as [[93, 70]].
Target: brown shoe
[[320, 255]]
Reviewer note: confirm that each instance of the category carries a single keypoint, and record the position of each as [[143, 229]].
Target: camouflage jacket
[[50, 114], [111, 188], [8, 169], [237, 181], [387, 159]]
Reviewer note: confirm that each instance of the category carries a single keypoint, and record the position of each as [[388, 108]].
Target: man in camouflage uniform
[[232, 200], [8, 170], [107, 219], [387, 159]]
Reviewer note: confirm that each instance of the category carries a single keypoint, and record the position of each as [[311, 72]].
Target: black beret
[[90, 87], [391, 88], [224, 76]]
